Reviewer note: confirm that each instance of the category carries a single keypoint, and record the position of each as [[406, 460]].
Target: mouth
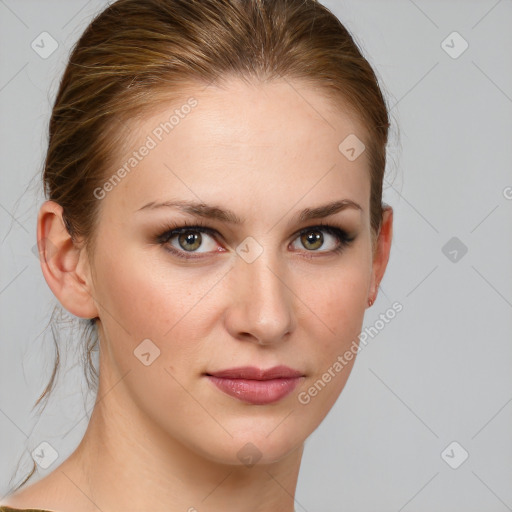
[[257, 386]]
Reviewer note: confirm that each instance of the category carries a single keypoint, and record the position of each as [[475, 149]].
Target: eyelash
[[173, 229]]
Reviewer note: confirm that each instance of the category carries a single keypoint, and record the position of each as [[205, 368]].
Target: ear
[[65, 266], [381, 252]]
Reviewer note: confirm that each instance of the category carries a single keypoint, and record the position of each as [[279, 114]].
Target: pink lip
[[256, 386]]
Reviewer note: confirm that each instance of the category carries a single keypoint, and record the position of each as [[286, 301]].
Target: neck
[[126, 462]]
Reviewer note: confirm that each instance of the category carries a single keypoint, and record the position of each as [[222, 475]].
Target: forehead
[[272, 140], [271, 116]]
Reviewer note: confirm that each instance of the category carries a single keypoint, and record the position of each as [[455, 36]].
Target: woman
[[214, 181]]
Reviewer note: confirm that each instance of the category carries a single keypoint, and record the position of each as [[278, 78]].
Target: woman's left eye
[[313, 239]]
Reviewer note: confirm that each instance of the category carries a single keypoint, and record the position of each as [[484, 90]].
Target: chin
[[250, 447]]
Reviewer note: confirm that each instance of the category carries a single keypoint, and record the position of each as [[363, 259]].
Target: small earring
[[370, 303]]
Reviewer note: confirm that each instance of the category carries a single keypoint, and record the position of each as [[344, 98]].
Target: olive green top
[[9, 509]]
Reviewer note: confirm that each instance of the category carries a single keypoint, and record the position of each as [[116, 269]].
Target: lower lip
[[257, 392]]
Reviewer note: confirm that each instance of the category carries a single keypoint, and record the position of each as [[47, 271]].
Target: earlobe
[[382, 250], [60, 258]]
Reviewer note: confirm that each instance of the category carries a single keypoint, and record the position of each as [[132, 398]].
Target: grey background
[[439, 372]]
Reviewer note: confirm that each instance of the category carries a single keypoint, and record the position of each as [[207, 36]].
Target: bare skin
[[161, 436]]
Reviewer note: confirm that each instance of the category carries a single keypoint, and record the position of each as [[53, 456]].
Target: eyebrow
[[228, 216]]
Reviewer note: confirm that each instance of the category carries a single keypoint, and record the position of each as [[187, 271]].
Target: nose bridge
[[263, 307]]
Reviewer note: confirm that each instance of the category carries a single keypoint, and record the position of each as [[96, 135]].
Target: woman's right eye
[[191, 240]]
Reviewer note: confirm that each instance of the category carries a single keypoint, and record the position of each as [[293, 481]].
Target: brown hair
[[135, 54]]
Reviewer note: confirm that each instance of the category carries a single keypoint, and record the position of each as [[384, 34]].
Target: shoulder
[[26, 500], [55, 492], [46, 496], [5, 508]]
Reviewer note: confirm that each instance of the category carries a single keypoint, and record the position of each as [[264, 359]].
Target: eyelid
[[176, 227]]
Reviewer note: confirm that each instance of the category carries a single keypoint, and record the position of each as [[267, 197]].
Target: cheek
[[132, 296], [331, 343], [338, 297], [336, 306], [144, 295]]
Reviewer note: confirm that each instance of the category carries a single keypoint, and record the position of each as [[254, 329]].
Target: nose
[[261, 307]]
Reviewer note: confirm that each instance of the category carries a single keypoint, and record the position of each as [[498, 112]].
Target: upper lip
[[253, 373]]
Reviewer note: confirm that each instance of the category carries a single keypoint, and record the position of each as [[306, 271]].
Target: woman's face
[[255, 163]]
